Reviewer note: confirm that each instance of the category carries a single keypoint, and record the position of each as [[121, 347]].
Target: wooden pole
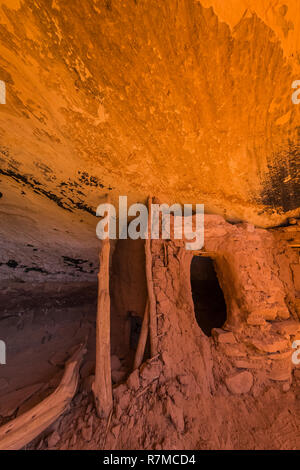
[[151, 296], [142, 339], [102, 387]]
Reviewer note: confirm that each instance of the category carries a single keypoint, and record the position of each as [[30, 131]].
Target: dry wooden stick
[[151, 296], [147, 387], [107, 428], [102, 387], [21, 431], [142, 339], [153, 358]]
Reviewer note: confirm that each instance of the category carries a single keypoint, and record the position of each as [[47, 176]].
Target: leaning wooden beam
[[102, 387], [151, 295], [142, 339], [21, 431]]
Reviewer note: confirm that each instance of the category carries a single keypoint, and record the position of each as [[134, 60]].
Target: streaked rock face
[[188, 100]]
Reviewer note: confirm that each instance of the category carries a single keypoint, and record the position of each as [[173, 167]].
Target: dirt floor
[[149, 419], [223, 388], [40, 334], [150, 412]]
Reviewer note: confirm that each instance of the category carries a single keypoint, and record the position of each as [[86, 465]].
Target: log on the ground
[[21, 431]]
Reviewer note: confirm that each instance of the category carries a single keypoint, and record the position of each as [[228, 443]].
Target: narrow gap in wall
[[209, 303], [128, 291]]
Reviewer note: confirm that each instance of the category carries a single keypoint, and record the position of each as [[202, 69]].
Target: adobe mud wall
[[262, 316], [195, 383]]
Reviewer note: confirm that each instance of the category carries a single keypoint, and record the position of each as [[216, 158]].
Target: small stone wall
[[262, 319], [197, 391]]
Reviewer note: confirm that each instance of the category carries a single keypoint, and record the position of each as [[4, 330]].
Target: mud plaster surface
[[181, 400]]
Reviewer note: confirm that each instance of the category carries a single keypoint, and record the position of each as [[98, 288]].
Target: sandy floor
[[39, 335]]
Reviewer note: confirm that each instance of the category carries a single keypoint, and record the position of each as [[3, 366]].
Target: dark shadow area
[[41, 324], [135, 329], [209, 303], [128, 291]]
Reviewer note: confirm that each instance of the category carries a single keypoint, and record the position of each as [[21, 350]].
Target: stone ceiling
[[187, 100]]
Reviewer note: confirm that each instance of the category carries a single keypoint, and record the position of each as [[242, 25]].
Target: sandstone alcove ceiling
[[194, 95], [145, 344]]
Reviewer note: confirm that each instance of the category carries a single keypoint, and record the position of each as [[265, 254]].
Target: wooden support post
[[142, 339], [151, 296], [102, 387]]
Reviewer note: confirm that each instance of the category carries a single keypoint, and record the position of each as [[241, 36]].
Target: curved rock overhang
[[188, 100]]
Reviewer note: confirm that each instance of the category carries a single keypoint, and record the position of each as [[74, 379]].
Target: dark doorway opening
[[135, 329], [209, 303]]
